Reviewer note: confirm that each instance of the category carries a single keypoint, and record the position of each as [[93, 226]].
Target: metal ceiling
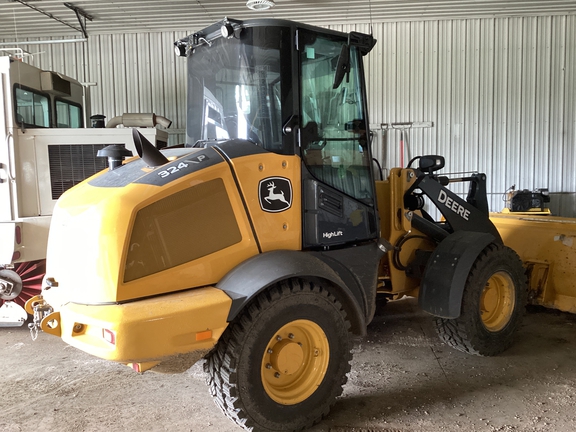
[[36, 19]]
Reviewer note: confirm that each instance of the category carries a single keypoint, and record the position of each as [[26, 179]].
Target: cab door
[[339, 200]]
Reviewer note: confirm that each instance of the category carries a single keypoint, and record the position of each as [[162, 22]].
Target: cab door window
[[334, 137]]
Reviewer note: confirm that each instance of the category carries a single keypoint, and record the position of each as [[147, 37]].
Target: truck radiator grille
[[72, 163]]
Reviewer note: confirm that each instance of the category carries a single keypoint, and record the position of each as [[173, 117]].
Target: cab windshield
[[235, 88]]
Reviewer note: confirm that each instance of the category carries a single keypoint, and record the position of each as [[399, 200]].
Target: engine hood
[[136, 231]]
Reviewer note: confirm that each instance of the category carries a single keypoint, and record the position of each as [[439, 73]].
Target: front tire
[[281, 364], [493, 304]]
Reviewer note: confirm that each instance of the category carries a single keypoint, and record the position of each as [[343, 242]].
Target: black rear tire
[[493, 304], [283, 361]]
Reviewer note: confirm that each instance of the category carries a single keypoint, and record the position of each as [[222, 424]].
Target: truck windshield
[[235, 89]]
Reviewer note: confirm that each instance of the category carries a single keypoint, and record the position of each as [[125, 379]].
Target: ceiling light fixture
[[260, 5]]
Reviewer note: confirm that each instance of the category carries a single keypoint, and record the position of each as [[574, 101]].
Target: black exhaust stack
[[146, 150], [115, 154]]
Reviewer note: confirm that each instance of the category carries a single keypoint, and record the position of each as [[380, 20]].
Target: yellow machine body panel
[[395, 226], [136, 263], [547, 246], [257, 173], [116, 244], [150, 330]]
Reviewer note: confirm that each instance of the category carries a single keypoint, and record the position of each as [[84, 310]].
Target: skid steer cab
[[258, 244]]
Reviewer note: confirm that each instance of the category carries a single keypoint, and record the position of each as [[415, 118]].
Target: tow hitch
[[39, 309]]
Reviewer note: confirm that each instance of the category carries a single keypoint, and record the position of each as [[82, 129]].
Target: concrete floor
[[402, 380]]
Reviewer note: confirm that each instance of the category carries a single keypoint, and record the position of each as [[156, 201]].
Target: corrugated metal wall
[[501, 93]]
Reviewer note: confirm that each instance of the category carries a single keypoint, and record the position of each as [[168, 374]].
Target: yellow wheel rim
[[497, 301], [295, 362]]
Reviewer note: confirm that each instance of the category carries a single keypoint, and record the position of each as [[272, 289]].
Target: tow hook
[[39, 309]]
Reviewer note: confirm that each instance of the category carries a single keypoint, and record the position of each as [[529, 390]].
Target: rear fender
[[256, 274], [447, 270]]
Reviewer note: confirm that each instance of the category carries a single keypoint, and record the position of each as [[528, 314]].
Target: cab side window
[[68, 114], [32, 108]]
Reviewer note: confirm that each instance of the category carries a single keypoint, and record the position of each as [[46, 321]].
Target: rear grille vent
[[70, 164]]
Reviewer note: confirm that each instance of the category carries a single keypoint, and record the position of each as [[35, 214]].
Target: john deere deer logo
[[275, 194]]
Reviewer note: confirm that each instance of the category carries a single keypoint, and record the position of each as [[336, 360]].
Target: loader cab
[[291, 89]]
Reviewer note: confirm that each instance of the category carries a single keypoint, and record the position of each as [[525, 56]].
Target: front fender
[[447, 270], [248, 279]]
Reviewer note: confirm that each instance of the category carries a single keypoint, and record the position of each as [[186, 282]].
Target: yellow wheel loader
[[262, 244]]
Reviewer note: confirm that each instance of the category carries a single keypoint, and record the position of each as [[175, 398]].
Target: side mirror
[[343, 66], [431, 163]]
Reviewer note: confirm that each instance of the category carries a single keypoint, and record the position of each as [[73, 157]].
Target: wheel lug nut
[[270, 351], [278, 338], [268, 366], [291, 336], [277, 375]]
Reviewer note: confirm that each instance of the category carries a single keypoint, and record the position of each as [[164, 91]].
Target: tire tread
[[221, 363], [459, 333]]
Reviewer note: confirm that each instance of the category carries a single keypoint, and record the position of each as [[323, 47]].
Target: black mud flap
[[447, 270]]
